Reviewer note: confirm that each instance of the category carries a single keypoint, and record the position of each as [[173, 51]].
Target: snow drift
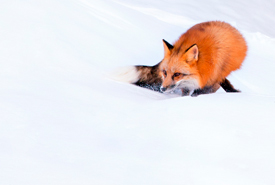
[[64, 121]]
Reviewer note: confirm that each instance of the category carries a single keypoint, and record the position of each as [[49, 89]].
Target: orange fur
[[205, 54]]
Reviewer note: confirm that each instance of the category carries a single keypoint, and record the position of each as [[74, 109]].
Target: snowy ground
[[63, 121]]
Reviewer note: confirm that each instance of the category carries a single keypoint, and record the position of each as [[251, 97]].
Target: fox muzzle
[[163, 89], [168, 88]]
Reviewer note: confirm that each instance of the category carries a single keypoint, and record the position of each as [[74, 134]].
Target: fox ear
[[167, 47], [192, 54]]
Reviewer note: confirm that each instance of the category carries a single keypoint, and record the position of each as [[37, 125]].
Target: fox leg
[[206, 90], [227, 86], [185, 92]]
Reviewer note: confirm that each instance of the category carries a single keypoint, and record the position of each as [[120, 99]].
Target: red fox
[[197, 63]]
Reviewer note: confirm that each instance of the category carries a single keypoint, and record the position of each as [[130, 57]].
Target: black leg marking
[[228, 87], [185, 92], [205, 90]]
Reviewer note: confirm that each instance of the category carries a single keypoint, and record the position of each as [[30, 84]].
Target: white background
[[64, 121]]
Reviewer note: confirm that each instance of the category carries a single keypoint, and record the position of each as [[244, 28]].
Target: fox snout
[[163, 89], [167, 88]]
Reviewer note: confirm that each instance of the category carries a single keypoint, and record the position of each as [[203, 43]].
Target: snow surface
[[64, 121]]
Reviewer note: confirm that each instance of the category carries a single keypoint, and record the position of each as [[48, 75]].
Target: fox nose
[[162, 89]]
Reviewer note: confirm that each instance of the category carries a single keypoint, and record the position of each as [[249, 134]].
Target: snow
[[64, 121]]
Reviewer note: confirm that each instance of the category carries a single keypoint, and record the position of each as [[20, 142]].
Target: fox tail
[[143, 76]]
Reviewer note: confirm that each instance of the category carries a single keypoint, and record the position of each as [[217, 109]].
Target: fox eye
[[177, 74], [165, 73]]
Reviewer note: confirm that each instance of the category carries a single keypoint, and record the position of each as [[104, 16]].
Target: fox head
[[179, 68]]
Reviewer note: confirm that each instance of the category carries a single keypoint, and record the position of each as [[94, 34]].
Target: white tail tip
[[128, 74]]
